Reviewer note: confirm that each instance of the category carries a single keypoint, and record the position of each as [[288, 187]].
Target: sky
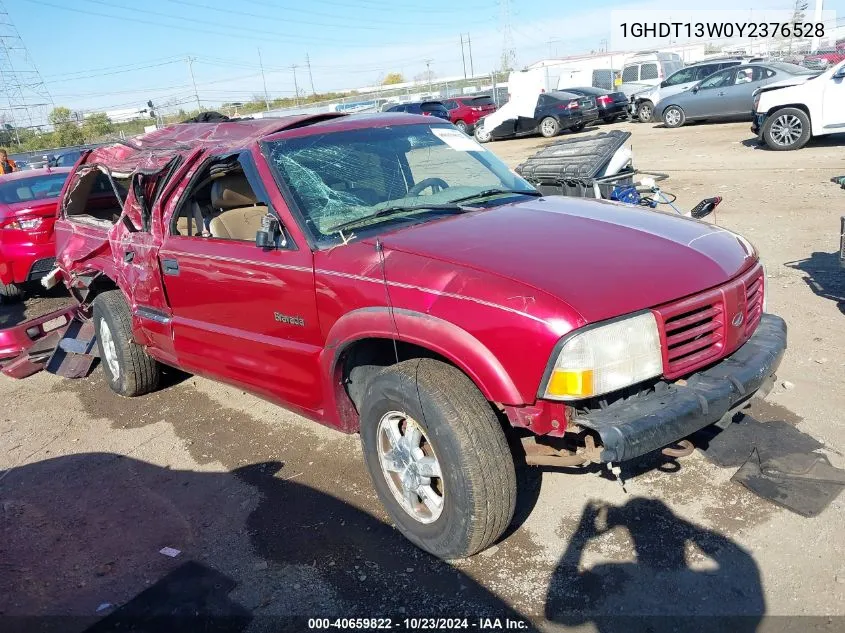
[[114, 54]]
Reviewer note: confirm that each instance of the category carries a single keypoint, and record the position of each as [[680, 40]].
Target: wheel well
[[87, 292], [797, 106], [361, 360]]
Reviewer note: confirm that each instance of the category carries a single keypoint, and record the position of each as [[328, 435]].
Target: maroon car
[[465, 112], [388, 276]]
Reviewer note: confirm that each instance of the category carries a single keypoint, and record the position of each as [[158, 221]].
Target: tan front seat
[[241, 217]]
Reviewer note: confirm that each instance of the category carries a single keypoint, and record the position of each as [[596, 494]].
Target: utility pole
[[471, 69], [310, 76], [428, 72], [263, 81], [463, 58], [190, 61], [603, 44], [295, 85]]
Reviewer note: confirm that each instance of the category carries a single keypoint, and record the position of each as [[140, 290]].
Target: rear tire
[[645, 112], [787, 129], [129, 370], [549, 127], [461, 126], [674, 116], [11, 292], [450, 486]]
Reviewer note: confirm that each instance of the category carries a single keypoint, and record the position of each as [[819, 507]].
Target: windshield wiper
[[397, 210], [495, 192]]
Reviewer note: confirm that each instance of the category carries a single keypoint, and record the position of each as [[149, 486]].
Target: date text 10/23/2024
[[419, 624]]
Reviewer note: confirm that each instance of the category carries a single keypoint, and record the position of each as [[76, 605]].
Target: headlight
[[605, 358], [756, 100]]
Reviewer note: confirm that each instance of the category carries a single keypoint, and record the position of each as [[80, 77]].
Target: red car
[[385, 275], [465, 112], [27, 212], [823, 60]]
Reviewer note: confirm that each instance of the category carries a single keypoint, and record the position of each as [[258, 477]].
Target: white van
[[648, 69], [786, 117], [587, 77]]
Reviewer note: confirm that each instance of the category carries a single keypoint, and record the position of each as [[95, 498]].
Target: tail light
[[426, 113], [23, 224], [603, 99], [573, 105]]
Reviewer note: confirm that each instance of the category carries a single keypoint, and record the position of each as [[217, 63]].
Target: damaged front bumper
[[636, 426]]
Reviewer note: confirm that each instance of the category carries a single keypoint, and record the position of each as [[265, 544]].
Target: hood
[[603, 259], [794, 80]]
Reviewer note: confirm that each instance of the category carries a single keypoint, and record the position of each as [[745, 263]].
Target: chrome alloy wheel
[[410, 466], [109, 350]]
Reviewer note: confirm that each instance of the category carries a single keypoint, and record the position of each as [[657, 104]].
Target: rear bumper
[[639, 425], [20, 337], [26, 262]]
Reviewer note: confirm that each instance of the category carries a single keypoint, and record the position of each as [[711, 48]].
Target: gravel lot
[[279, 514]]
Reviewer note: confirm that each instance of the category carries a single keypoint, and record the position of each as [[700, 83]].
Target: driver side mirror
[[270, 235]]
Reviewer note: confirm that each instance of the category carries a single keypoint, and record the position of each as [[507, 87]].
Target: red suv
[[465, 112], [28, 202], [387, 275]]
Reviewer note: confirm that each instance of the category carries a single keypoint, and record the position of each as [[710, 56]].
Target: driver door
[[833, 103], [242, 314], [708, 100]]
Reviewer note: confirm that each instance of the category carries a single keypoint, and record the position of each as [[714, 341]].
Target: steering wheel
[[436, 184]]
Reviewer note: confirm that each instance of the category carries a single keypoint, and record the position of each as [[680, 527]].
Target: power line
[[185, 26], [287, 20]]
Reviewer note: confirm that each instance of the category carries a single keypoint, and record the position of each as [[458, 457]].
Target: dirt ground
[[275, 516]]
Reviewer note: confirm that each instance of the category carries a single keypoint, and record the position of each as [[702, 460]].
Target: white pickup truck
[[786, 117]]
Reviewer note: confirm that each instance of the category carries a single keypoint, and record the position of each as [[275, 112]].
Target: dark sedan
[[555, 111], [427, 108], [611, 105]]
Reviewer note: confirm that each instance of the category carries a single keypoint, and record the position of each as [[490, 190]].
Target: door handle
[[171, 266], [128, 256]]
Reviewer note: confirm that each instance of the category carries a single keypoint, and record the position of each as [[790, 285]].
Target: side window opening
[[631, 73], [648, 71], [221, 204], [96, 198]]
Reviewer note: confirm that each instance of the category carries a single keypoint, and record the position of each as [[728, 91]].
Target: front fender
[[437, 335]]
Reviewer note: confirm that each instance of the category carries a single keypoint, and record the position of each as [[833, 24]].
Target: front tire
[[674, 116], [481, 135], [11, 292], [129, 370], [438, 457], [645, 111], [461, 126], [549, 127], [787, 129]]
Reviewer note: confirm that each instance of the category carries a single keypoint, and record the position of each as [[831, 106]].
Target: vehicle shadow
[[36, 302], [828, 140], [823, 276], [680, 570], [11, 313], [83, 532]]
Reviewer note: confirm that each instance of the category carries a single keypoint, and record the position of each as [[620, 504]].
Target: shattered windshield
[[364, 181]]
